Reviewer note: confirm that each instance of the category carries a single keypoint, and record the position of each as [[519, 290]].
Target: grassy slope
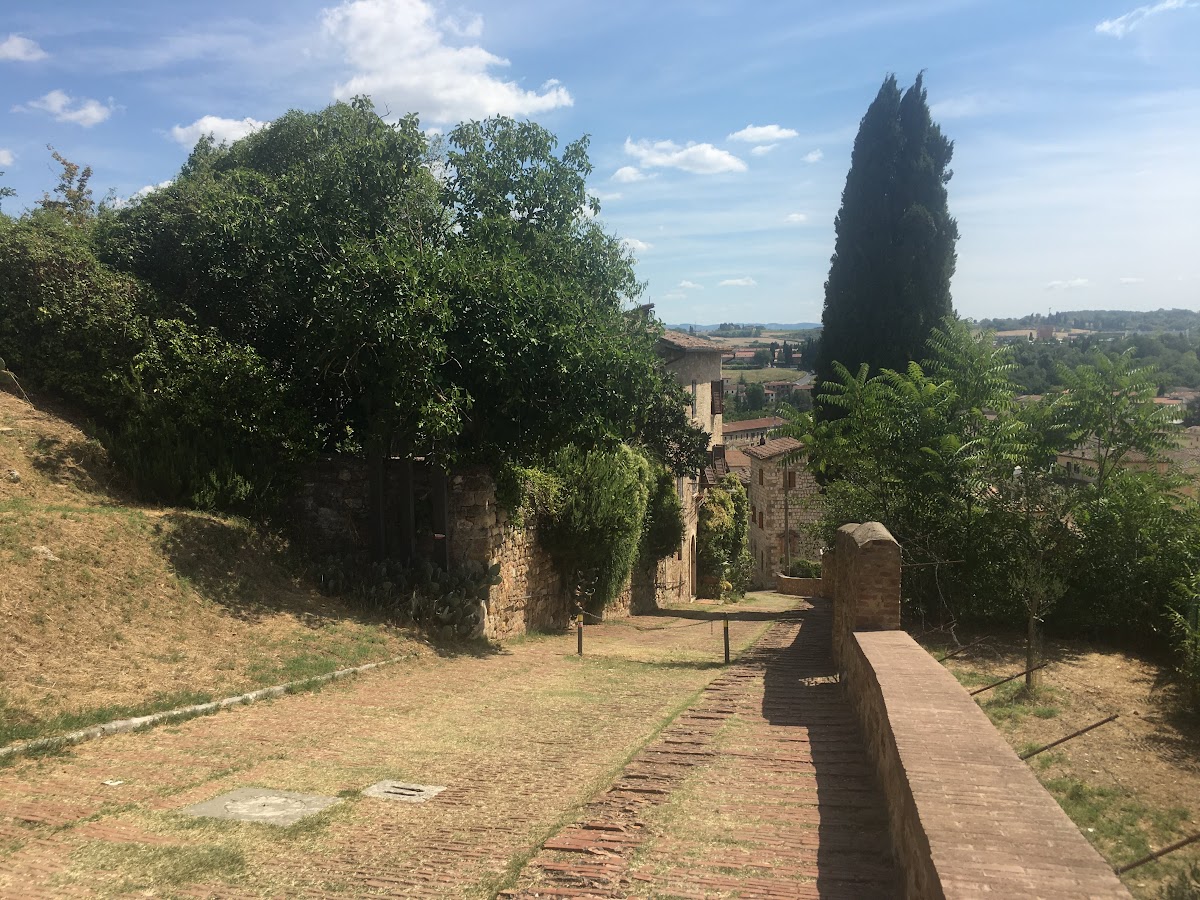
[[111, 607], [1132, 786]]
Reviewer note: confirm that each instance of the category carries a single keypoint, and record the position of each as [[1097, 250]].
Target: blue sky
[[721, 131]]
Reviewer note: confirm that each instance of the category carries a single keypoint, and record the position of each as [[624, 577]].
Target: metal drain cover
[[402, 790], [262, 805]]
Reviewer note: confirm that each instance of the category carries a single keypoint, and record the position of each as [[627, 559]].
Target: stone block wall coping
[[867, 533], [968, 817]]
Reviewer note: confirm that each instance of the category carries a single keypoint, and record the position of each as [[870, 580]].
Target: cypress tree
[[889, 277]]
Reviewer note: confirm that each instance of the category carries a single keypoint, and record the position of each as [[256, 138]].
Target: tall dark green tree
[[889, 278]]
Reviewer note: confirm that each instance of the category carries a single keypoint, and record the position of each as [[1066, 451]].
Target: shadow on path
[[801, 692]]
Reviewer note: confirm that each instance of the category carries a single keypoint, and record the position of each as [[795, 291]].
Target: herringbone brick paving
[[799, 802], [770, 763]]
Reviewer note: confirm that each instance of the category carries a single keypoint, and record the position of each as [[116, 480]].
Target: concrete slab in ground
[[403, 790], [263, 805]]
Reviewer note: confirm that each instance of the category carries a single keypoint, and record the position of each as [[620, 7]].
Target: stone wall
[[331, 513], [530, 595], [799, 587], [967, 817]]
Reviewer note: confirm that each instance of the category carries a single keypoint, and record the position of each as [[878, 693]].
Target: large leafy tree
[[543, 339], [313, 242], [889, 278]]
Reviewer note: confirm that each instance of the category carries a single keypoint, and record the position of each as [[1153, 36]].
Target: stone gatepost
[[866, 582]]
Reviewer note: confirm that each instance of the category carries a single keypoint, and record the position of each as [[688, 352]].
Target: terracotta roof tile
[[752, 425], [773, 448], [684, 341]]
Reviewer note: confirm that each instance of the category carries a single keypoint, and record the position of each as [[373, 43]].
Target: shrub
[[593, 537], [804, 568], [723, 557], [662, 531]]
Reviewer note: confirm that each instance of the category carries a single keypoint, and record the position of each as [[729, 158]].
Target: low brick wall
[[798, 587], [968, 818]]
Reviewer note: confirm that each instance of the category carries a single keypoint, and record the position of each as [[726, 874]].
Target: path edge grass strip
[[138, 723]]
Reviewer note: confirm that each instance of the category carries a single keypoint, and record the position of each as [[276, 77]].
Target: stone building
[[696, 363], [751, 431], [784, 500]]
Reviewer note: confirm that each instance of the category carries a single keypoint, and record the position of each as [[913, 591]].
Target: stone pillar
[[866, 588]]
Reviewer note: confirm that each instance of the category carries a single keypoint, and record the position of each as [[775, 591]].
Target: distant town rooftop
[[774, 448], [684, 341], [753, 425]]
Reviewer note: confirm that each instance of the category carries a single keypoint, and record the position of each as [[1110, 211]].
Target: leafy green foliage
[[889, 279], [73, 202], [662, 531], [595, 533], [990, 526], [540, 339], [722, 551], [311, 241], [804, 568], [189, 416]]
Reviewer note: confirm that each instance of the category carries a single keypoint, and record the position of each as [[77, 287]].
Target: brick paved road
[[761, 790], [766, 743]]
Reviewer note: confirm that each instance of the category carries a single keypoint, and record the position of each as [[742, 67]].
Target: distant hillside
[[1103, 320], [768, 326]]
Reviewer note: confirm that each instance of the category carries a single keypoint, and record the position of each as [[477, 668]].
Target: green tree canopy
[[311, 241], [542, 339], [889, 278]]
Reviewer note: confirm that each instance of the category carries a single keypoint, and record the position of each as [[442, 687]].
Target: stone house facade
[[784, 500], [696, 364]]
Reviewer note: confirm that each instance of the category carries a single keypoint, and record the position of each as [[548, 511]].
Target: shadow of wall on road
[[801, 691]]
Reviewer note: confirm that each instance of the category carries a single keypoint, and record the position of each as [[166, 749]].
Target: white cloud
[[814, 156], [674, 295], [699, 159], [635, 245], [224, 130], [78, 112], [796, 218], [1132, 280], [628, 175], [151, 188], [7, 157], [763, 134], [21, 49], [1068, 285], [763, 149], [1122, 25], [691, 285], [400, 56], [604, 196], [738, 282], [960, 107]]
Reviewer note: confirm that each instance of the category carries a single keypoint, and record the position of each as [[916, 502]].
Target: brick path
[[762, 791], [514, 766]]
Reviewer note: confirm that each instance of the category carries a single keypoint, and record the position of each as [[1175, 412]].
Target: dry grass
[[1131, 786], [521, 738], [111, 607]]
